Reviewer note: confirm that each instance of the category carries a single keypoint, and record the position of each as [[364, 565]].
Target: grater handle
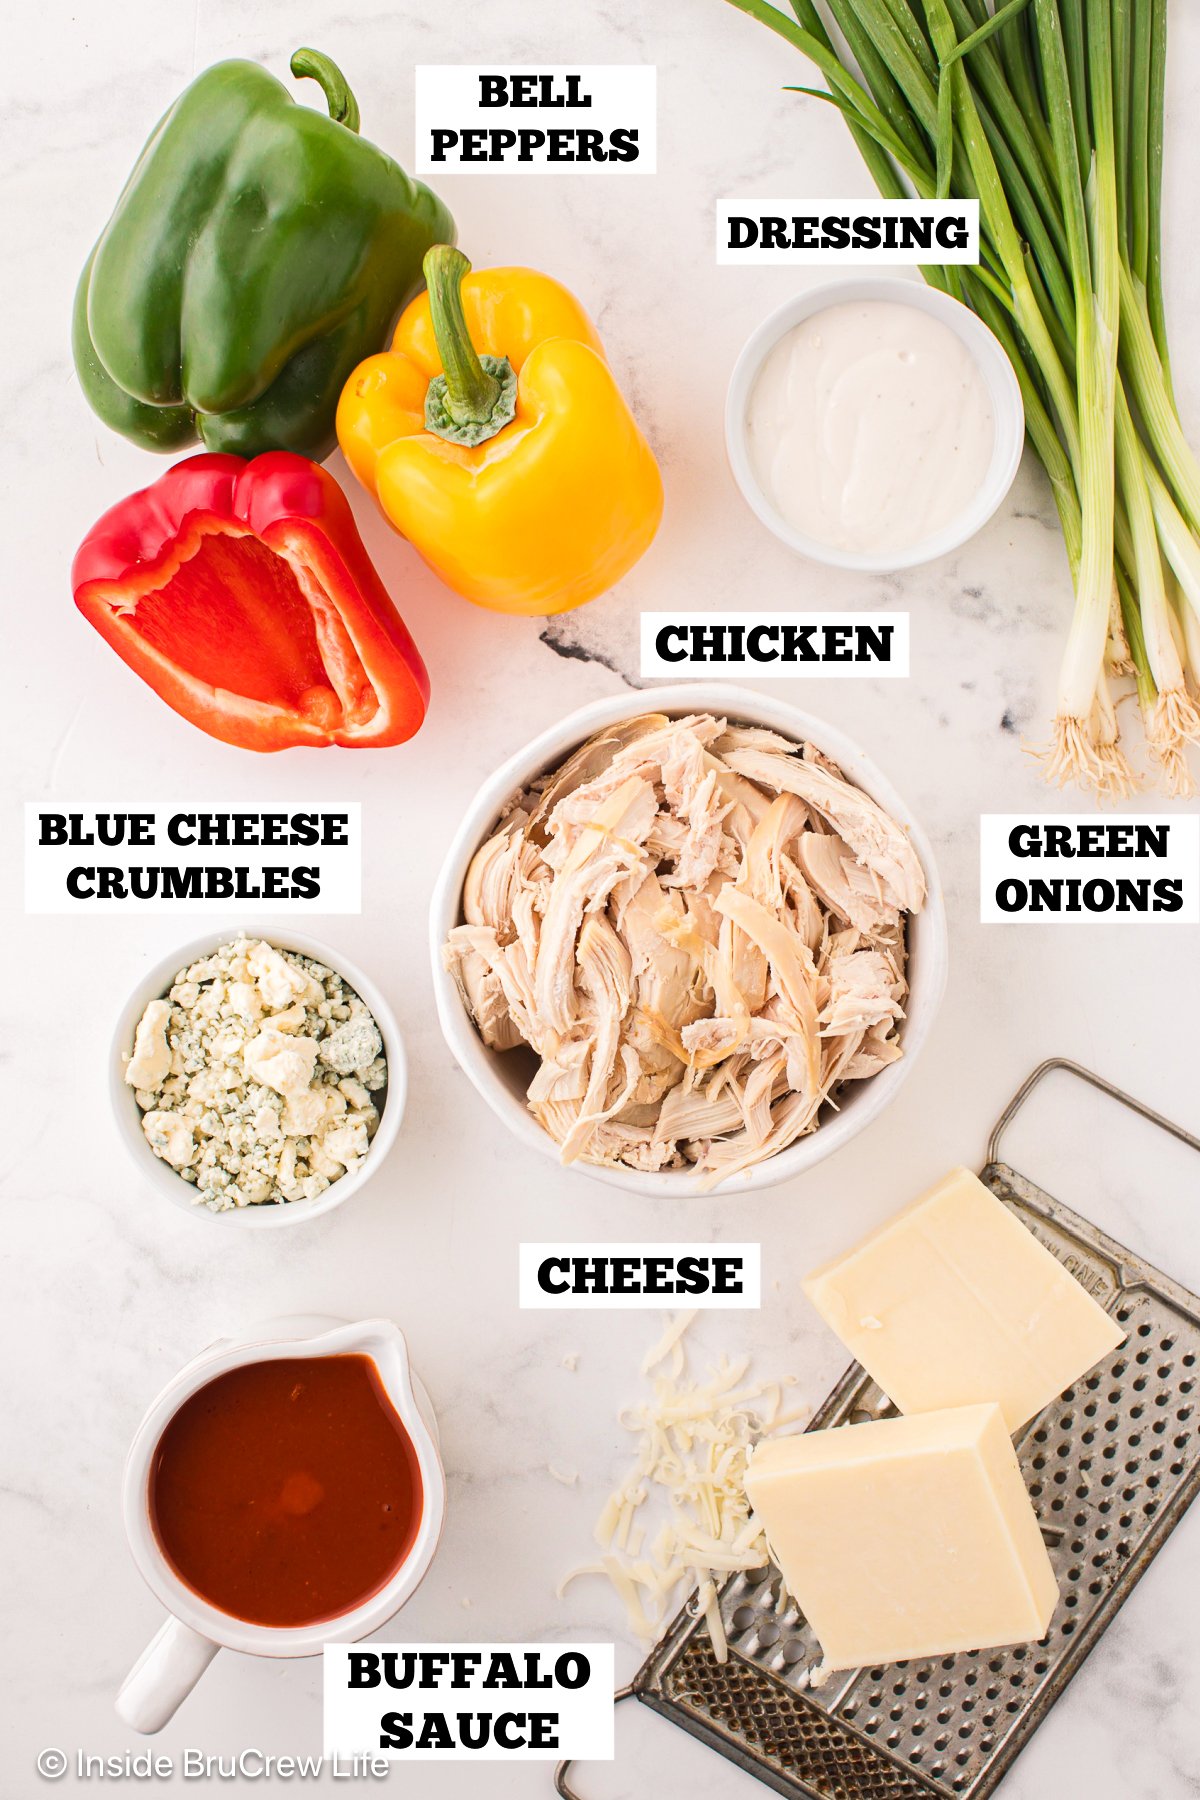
[[560, 1774], [1093, 1080]]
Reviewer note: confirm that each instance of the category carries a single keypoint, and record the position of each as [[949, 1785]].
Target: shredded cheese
[[692, 1442]]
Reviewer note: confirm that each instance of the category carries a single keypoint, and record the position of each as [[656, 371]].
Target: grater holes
[[793, 1735], [1126, 1438]]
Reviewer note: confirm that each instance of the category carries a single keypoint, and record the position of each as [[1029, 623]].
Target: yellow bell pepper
[[496, 439]]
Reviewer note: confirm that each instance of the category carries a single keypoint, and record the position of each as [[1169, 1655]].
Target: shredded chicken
[[699, 929]]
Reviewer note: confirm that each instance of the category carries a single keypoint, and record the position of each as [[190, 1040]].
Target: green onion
[[1050, 114]]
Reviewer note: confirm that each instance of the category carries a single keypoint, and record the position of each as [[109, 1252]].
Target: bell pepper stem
[[474, 397], [316, 66]]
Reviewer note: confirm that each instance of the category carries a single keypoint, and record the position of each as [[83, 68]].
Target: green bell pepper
[[258, 252]]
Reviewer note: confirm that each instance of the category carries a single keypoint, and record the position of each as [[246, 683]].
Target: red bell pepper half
[[242, 592]]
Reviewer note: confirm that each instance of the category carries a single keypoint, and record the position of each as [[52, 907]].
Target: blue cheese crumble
[[257, 1075]]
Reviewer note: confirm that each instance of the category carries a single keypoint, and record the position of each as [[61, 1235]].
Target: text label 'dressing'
[[847, 232]]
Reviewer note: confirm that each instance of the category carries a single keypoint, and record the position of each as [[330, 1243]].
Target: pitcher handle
[[163, 1676]]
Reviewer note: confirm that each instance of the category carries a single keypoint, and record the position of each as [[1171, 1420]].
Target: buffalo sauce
[[287, 1492]]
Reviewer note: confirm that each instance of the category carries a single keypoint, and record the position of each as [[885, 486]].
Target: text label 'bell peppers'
[[258, 250], [495, 437], [243, 594]]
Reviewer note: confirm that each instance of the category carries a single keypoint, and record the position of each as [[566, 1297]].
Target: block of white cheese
[[954, 1302], [905, 1537]]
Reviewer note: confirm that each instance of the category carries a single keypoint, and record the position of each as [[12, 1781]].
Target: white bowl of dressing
[[874, 423]]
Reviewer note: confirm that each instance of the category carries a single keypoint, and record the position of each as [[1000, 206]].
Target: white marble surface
[[109, 1291]]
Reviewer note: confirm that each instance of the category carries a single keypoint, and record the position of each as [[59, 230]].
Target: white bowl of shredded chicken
[[686, 940]]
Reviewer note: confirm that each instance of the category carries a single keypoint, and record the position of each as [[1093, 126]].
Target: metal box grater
[[1111, 1467]]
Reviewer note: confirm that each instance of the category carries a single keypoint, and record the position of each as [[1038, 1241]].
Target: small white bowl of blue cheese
[[259, 1079]]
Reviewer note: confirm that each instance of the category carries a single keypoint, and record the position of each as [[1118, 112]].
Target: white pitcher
[[173, 1662]]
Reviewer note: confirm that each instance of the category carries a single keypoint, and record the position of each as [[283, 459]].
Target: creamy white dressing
[[870, 426]]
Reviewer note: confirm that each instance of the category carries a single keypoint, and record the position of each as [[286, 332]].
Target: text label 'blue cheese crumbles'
[[255, 1076]]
